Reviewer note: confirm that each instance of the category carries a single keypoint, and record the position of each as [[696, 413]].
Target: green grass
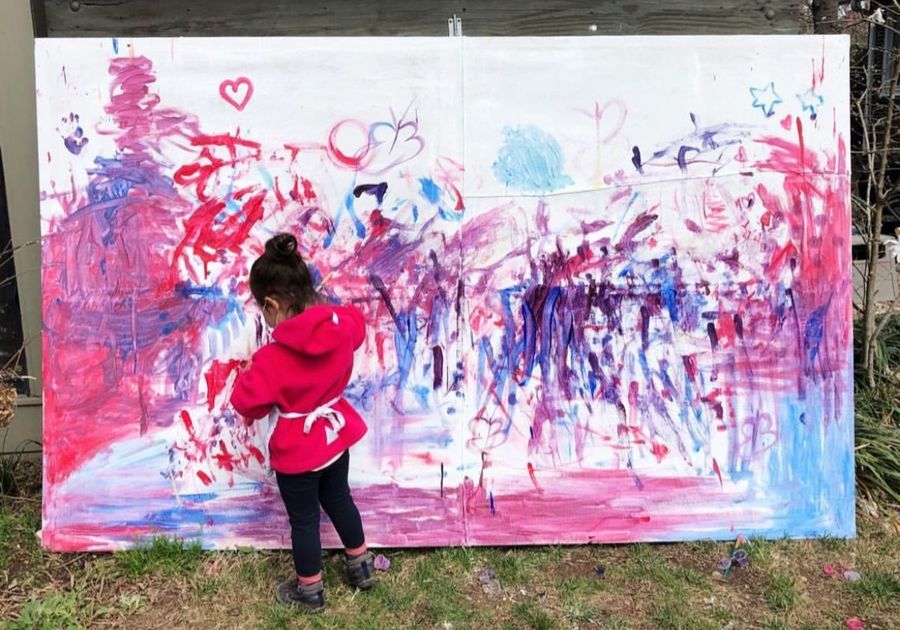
[[760, 551], [13, 473], [576, 598], [397, 599], [439, 598], [277, 618], [707, 547], [49, 613], [646, 586], [877, 586], [260, 569], [131, 604], [675, 615], [877, 411], [171, 556], [781, 594], [17, 533], [515, 567], [831, 543], [534, 616], [58, 611], [878, 441], [649, 567]]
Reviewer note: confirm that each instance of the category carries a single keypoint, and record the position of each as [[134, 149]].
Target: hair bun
[[282, 246]]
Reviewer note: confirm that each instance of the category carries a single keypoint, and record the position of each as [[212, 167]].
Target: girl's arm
[[251, 396], [357, 324]]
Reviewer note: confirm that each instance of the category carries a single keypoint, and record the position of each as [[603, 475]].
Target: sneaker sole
[[300, 606], [292, 603], [364, 585]]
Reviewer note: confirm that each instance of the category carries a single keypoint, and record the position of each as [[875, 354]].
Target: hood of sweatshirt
[[316, 331]]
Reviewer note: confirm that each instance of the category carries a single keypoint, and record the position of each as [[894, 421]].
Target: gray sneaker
[[310, 597], [360, 571]]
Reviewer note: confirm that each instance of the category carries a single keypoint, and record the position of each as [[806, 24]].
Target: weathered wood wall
[[103, 18]]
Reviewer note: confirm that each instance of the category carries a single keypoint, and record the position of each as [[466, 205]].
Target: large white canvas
[[606, 279]]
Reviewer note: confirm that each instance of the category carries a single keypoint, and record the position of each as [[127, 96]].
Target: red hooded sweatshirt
[[307, 366]]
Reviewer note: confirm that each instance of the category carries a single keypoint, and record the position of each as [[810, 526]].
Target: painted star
[[765, 98], [810, 102]]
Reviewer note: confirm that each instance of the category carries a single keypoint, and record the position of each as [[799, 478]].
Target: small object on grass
[[854, 623], [851, 576], [830, 569], [382, 563], [738, 557], [600, 571], [489, 581]]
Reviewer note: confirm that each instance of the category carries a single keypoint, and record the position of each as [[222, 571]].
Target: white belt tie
[[326, 412]]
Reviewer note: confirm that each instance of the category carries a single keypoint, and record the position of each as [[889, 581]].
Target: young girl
[[298, 381]]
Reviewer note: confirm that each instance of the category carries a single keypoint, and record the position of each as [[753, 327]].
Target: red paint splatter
[[357, 159], [223, 458], [460, 205], [308, 193], [204, 478], [216, 377], [659, 451], [633, 393], [208, 237], [198, 173], [257, 454], [717, 471], [534, 478], [781, 257], [189, 427], [692, 226]]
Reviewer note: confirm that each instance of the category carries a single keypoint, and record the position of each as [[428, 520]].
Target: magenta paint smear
[[589, 320]]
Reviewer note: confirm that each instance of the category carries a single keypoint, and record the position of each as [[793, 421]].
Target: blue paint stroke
[[810, 102], [429, 190], [376, 190], [530, 161], [812, 471], [348, 207], [766, 99], [813, 333]]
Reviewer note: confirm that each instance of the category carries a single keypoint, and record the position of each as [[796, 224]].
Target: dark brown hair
[[281, 273]]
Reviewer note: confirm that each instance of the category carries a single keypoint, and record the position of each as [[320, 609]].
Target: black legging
[[302, 495]]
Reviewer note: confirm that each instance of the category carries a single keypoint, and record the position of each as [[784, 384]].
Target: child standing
[[298, 381]]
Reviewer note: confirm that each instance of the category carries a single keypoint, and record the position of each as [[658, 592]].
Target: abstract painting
[[607, 282]]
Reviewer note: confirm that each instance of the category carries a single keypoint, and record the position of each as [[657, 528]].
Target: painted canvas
[[607, 282]]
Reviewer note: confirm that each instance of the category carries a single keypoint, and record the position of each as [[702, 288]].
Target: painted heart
[[393, 143], [237, 92]]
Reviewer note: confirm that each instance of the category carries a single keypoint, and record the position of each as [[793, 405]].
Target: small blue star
[[810, 102], [765, 98]]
